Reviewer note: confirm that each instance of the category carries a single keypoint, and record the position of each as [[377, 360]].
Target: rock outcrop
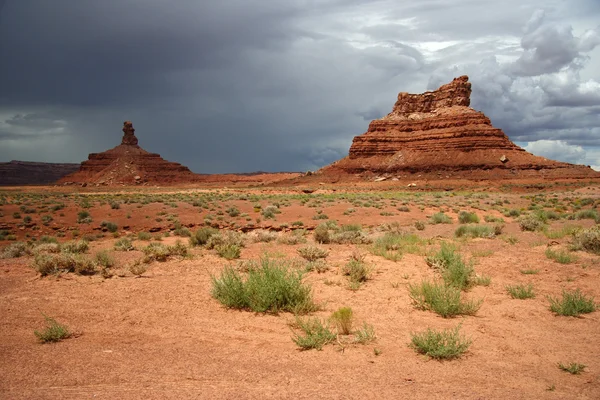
[[439, 132], [17, 173], [129, 137], [129, 164]]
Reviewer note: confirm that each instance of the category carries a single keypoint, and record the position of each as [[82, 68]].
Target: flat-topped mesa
[[129, 134], [439, 131], [440, 120], [128, 163]]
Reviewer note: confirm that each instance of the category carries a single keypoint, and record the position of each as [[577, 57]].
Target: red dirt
[[164, 336]]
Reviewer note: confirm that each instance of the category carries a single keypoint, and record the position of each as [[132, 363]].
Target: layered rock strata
[[128, 163], [438, 131]]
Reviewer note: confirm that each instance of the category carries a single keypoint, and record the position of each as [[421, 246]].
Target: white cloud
[[557, 150], [562, 151]]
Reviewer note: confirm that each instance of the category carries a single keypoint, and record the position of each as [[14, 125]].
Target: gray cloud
[[262, 85], [539, 96]]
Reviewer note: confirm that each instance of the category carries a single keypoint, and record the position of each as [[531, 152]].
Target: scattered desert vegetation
[[54, 331], [337, 271], [442, 345]]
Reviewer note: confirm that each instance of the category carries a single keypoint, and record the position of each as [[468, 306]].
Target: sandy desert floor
[[162, 335]]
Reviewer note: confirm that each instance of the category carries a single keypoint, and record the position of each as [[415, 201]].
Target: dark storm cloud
[[120, 51], [264, 85]]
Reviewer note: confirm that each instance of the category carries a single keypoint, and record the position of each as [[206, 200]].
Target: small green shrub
[[47, 264], [271, 286], [15, 250], [512, 213], [202, 235], [442, 345], [319, 216], [137, 269], [54, 332], [465, 217], [75, 247], [572, 304], [588, 240], [492, 219], [455, 272], [530, 271], [349, 237], [263, 236], [440, 218], [420, 226], [392, 245], [572, 368], [586, 214], [229, 251], [342, 319], [316, 334], [104, 259], [57, 207], [510, 239], [356, 270], [441, 299], [181, 231], [225, 238], [53, 248], [124, 245], [560, 256], [520, 291], [562, 232], [161, 252], [531, 223], [146, 236], [270, 212], [48, 239], [365, 334], [475, 231], [232, 212], [321, 234], [312, 253], [318, 265], [109, 226], [295, 237], [84, 217]]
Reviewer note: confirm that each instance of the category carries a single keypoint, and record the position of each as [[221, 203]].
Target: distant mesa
[[438, 132], [17, 173], [128, 164]]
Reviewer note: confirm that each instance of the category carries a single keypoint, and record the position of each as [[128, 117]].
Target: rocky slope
[[128, 164], [437, 132], [17, 173]]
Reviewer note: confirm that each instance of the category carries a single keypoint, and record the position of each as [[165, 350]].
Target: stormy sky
[[248, 85]]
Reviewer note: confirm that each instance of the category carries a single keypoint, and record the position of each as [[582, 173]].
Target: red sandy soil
[[163, 336]]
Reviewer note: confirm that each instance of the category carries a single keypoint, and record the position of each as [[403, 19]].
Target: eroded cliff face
[[128, 163], [438, 131]]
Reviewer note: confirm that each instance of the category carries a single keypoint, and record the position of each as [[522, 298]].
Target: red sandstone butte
[[439, 132], [127, 164]]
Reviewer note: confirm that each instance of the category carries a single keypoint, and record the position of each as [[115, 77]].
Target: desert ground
[[131, 274]]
